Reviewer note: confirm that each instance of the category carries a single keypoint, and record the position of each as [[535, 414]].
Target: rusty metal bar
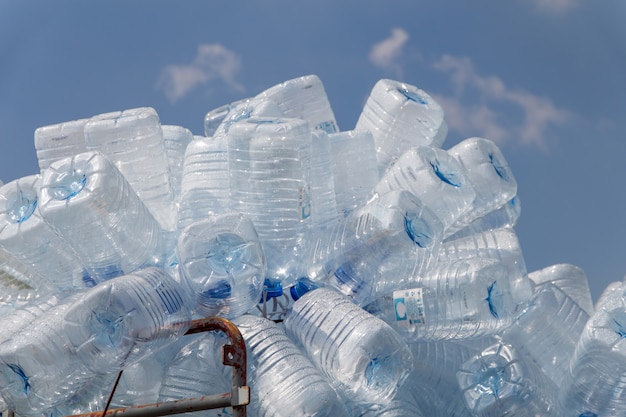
[[233, 354]]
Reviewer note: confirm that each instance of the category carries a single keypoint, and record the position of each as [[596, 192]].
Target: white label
[[409, 307]]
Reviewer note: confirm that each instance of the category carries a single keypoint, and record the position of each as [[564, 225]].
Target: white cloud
[[212, 62], [486, 94], [386, 53]]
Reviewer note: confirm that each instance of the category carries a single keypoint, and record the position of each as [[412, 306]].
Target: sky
[[544, 79]]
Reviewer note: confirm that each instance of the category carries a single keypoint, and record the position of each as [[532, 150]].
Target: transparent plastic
[[222, 259]]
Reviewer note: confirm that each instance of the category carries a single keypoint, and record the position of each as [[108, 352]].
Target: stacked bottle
[[501, 382], [435, 177], [122, 320], [223, 261], [283, 381], [89, 203], [303, 98], [376, 248], [133, 140], [269, 163], [25, 235], [205, 183], [176, 139], [489, 174], [401, 116], [353, 166], [362, 356], [58, 141]]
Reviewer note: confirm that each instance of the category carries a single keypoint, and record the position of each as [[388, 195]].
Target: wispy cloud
[[475, 104], [213, 62], [386, 53], [554, 6]]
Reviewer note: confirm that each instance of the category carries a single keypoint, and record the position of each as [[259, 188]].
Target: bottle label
[[409, 307], [304, 202]]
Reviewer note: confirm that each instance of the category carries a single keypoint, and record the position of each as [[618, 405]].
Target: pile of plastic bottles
[[371, 272]]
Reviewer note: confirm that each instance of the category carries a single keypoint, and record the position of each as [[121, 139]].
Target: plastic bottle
[[223, 260], [25, 235], [276, 301], [597, 370], [216, 116], [142, 381], [205, 184], [38, 370], [15, 274], [324, 212], [353, 164], [505, 216], [501, 382], [244, 109], [434, 177], [270, 165], [458, 300], [489, 174], [58, 141], [570, 279], [362, 356], [303, 98], [89, 203], [133, 140], [501, 244], [547, 330], [377, 248], [401, 116], [124, 319], [176, 139], [282, 380]]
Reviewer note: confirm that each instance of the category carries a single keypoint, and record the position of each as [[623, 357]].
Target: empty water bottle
[[204, 185], [124, 319], [353, 164], [223, 260], [501, 382], [570, 279], [269, 170], [38, 369], [324, 212], [457, 300], [58, 141], [214, 117], [25, 235], [503, 217], [377, 248], [89, 203], [133, 140], [361, 355], [283, 381], [597, 370], [401, 116], [547, 330], [197, 370], [176, 139], [434, 177], [502, 244], [489, 174], [303, 98]]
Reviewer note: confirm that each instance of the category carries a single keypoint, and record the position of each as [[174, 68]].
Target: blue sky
[[545, 79]]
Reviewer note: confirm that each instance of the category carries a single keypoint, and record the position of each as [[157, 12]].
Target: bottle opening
[[68, 185], [221, 290], [445, 174], [499, 167], [412, 96], [17, 370], [418, 230], [272, 288], [302, 286], [22, 206]]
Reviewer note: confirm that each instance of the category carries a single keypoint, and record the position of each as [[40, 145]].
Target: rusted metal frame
[[233, 354]]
